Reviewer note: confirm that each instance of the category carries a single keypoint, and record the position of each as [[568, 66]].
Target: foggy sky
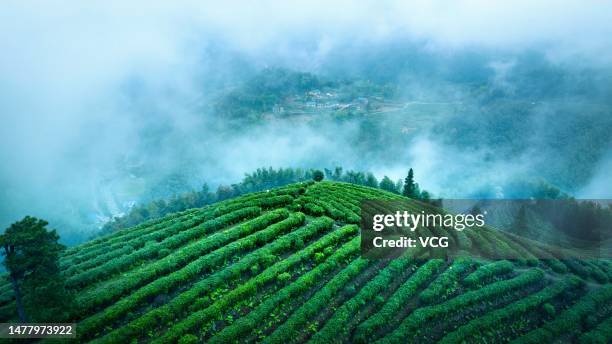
[[84, 88]]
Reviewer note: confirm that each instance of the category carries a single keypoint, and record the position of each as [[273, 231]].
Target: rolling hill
[[284, 266]]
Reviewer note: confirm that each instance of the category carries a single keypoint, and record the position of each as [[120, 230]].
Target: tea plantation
[[284, 266]]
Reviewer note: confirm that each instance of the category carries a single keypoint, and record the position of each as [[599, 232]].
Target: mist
[[100, 103]]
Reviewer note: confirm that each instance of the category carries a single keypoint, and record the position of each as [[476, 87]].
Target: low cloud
[[98, 101]]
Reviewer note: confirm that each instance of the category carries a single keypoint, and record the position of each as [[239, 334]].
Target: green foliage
[[250, 287], [283, 278], [412, 190], [263, 91], [405, 292], [505, 126], [410, 187], [337, 326], [264, 256], [569, 319], [181, 233], [31, 255], [549, 309], [260, 180], [371, 180], [319, 257], [447, 282], [186, 273], [188, 339], [488, 271], [318, 176], [30, 247], [313, 209], [421, 316], [302, 284], [297, 320], [253, 269], [476, 327], [388, 185], [602, 334]]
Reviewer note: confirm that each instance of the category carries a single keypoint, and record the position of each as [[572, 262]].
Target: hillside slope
[[284, 266]]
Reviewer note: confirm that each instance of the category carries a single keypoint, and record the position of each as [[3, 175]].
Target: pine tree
[[410, 187]]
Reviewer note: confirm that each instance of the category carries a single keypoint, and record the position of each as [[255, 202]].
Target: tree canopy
[[32, 259]]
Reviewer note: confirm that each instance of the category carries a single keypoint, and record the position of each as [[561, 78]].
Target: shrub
[[255, 269], [295, 206], [313, 209], [488, 271], [549, 309], [188, 339], [299, 243], [447, 282], [319, 257], [601, 334], [163, 252], [283, 277]]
